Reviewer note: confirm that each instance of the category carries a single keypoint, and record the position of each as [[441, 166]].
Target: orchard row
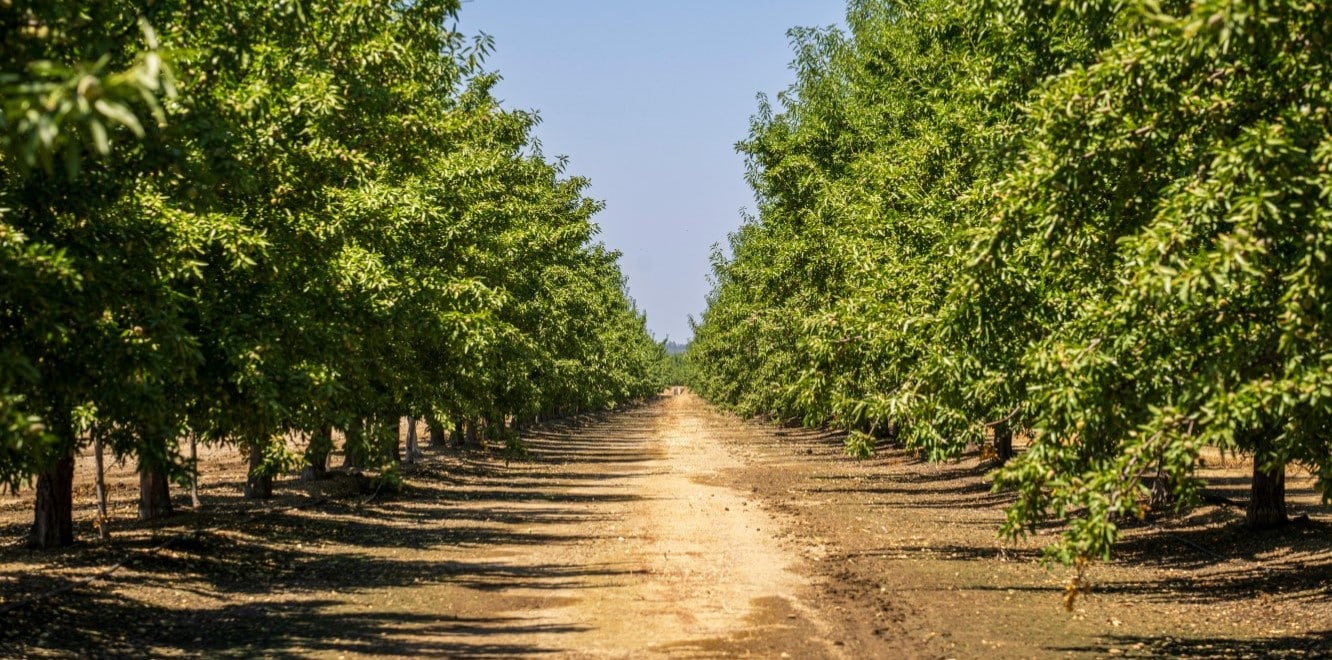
[[240, 220], [1100, 225]]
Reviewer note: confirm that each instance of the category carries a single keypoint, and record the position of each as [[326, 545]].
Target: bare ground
[[665, 530]]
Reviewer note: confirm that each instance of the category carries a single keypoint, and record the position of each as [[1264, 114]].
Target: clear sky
[[647, 99]]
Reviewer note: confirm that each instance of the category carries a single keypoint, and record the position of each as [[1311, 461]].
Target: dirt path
[[609, 546], [667, 530]]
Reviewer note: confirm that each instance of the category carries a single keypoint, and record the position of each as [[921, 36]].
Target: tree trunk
[[1003, 442], [99, 465], [353, 447], [316, 455], [457, 437], [258, 483], [53, 512], [1267, 496], [194, 473], [886, 431], [471, 437], [1163, 489], [154, 493], [436, 432], [413, 446]]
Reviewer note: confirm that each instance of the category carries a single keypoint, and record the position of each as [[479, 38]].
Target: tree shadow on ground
[[246, 579], [104, 625], [1313, 645], [1203, 557], [946, 551]]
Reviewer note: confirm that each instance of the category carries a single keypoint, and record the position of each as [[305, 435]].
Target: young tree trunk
[[457, 436], [258, 483], [1163, 491], [316, 454], [154, 493], [1267, 496], [413, 446], [99, 465], [1003, 442], [194, 472], [53, 512]]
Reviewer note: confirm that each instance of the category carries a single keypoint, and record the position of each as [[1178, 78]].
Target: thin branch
[[1006, 418]]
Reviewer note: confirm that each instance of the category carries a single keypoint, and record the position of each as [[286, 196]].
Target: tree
[[90, 329], [1207, 133], [330, 223], [1093, 223]]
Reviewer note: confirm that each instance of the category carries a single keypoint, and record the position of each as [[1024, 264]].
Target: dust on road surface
[[610, 545]]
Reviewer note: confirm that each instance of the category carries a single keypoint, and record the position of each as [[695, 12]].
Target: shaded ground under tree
[[589, 547]]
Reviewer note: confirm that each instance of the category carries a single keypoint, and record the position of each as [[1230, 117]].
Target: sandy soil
[[665, 530]]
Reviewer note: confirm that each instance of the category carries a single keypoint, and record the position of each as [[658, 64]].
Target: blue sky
[[647, 99]]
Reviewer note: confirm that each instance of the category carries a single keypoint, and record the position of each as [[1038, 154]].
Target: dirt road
[[667, 530], [609, 545]]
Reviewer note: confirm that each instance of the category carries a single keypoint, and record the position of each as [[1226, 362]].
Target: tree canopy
[[1097, 225], [240, 220]]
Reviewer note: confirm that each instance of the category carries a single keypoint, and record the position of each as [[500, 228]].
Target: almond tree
[[1192, 159], [319, 217], [1094, 222], [97, 246]]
